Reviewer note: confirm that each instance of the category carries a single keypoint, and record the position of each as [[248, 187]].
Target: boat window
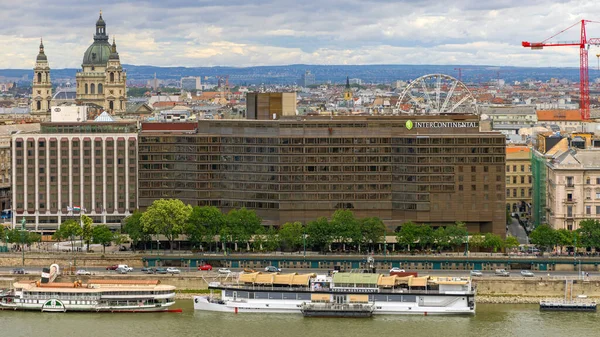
[[289, 296], [409, 298], [380, 298], [228, 293], [261, 295], [304, 296], [275, 296], [394, 298], [242, 294]]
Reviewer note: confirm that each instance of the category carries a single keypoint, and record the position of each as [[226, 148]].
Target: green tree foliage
[[425, 236], [132, 226], [544, 237], [408, 234], [86, 230], [320, 233], [167, 217], [589, 230], [272, 241], [511, 242], [440, 238], [69, 230], [204, 224], [103, 235], [345, 226], [240, 225], [564, 237], [493, 241], [457, 235], [476, 241], [291, 235], [373, 230]]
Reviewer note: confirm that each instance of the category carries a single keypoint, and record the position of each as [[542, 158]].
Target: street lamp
[[466, 243], [23, 222]]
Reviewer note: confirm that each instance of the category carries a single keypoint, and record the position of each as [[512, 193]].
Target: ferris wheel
[[437, 94]]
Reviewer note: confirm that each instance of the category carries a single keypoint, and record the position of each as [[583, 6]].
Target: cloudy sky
[[276, 32]]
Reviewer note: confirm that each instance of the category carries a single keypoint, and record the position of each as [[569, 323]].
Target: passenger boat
[[94, 296], [342, 294]]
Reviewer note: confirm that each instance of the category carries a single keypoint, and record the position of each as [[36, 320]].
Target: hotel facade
[[427, 169]]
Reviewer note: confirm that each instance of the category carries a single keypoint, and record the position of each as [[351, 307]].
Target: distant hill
[[335, 73]]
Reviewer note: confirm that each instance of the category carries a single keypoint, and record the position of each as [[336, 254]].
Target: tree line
[[208, 228], [586, 236]]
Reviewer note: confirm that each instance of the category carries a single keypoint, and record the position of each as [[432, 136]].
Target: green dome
[[97, 54]]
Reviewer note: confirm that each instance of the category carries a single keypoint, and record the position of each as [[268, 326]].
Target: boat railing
[[243, 287], [62, 297]]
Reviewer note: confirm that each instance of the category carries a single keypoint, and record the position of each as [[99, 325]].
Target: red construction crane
[[584, 79]]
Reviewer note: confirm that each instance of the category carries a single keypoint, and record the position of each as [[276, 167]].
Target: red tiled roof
[[559, 115]]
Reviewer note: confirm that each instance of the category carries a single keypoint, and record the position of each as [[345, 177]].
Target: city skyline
[[250, 33]]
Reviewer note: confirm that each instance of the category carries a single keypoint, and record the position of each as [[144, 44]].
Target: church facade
[[101, 82]]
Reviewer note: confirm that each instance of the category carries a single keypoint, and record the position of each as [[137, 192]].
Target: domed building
[[101, 83]]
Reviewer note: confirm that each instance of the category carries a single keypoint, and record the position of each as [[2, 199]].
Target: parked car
[[272, 269], [502, 272], [172, 270], [121, 271], [476, 273], [113, 267], [19, 271], [205, 267], [397, 270], [527, 273], [249, 270], [224, 271], [149, 270], [160, 271], [82, 272], [145, 269]]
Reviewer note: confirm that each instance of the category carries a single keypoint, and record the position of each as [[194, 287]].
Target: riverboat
[[363, 294], [92, 296]]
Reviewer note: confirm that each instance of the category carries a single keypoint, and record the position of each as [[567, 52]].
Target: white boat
[[93, 296], [310, 293]]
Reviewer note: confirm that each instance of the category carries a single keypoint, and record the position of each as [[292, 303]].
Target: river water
[[491, 320]]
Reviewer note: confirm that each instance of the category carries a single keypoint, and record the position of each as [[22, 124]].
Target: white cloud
[[275, 32]]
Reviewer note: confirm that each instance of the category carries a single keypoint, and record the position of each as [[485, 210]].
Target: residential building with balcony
[[573, 188], [519, 181]]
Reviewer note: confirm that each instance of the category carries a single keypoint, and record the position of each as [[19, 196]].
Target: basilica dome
[[97, 54]]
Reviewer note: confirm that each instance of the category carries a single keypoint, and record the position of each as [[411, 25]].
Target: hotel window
[[514, 180], [514, 193], [529, 178], [597, 209], [597, 195], [522, 179], [570, 211], [522, 168], [507, 168], [587, 180], [570, 182], [508, 192], [597, 181], [588, 210], [514, 168], [522, 193]]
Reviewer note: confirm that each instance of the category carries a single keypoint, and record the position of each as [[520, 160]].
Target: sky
[[199, 33]]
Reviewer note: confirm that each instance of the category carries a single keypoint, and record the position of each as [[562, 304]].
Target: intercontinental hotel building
[[427, 169]]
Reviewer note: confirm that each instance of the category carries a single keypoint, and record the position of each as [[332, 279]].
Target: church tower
[[348, 94], [42, 87], [116, 78]]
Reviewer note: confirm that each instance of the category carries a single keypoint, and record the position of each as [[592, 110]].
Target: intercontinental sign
[[438, 125]]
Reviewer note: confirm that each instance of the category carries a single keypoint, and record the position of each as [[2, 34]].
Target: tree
[[440, 238], [320, 233], [476, 241], [511, 242], [564, 237], [291, 234], [103, 235], [457, 234], [241, 224], [167, 217], [408, 234], [272, 241], [493, 242], [425, 236], [204, 224], [86, 230], [373, 230], [544, 237], [590, 233], [345, 226], [68, 230], [132, 226]]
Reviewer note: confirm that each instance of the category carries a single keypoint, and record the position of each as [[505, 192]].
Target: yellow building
[[518, 179], [102, 81]]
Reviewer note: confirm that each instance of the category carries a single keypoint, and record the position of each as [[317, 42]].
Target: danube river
[[491, 320]]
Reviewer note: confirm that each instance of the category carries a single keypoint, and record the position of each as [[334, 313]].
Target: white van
[[124, 267]]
